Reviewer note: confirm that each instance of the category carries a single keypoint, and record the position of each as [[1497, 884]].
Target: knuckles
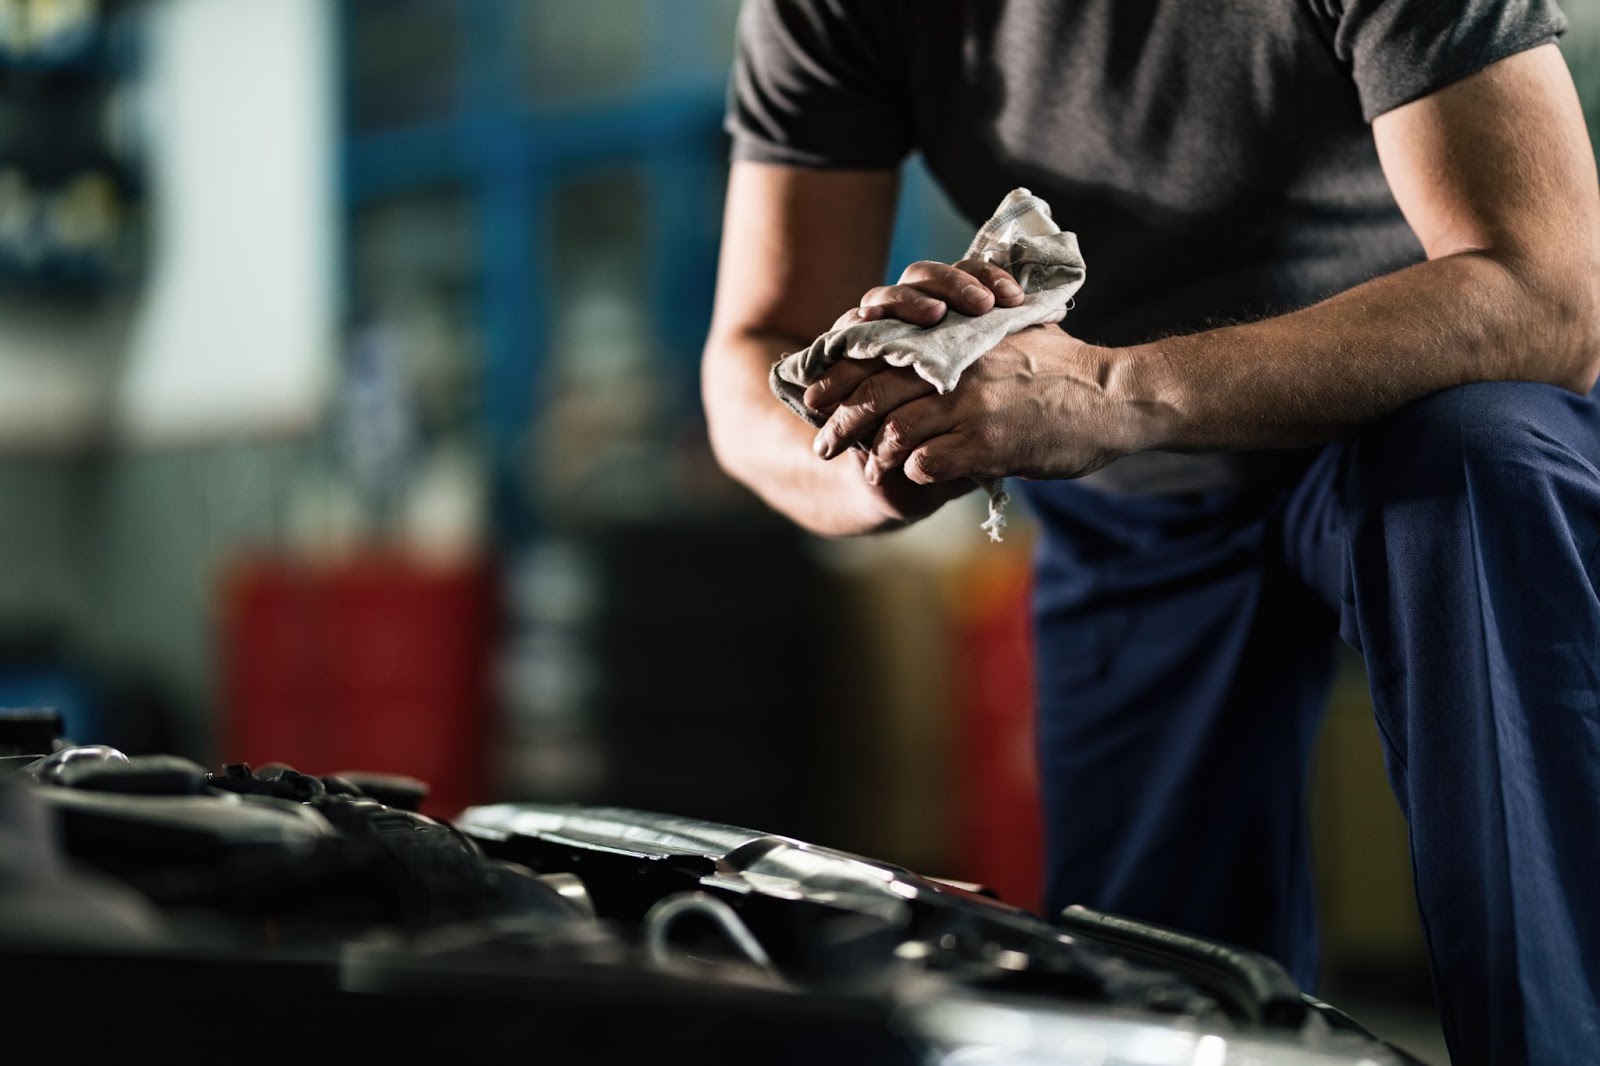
[[923, 467], [869, 396], [894, 433], [839, 379], [910, 294], [923, 269]]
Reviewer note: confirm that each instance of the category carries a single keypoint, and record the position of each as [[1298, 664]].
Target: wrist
[[1146, 393]]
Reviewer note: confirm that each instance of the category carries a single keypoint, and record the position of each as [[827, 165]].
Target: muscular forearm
[[766, 448], [1495, 175], [1306, 377], [1043, 404]]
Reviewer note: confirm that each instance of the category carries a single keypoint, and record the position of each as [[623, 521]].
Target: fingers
[[839, 381], [858, 416], [908, 303], [1007, 293], [962, 450], [937, 460], [907, 501], [903, 430], [927, 290], [971, 286], [849, 318], [961, 290]]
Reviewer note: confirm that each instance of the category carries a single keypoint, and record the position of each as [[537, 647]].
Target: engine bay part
[[152, 895]]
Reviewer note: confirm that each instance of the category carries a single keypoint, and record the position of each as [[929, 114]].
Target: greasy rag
[[1022, 239]]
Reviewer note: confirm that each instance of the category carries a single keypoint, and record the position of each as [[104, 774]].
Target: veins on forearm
[[1307, 376]]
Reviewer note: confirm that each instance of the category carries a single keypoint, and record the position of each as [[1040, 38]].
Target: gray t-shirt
[[1213, 156]]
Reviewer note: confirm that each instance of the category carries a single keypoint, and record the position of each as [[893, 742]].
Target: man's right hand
[[927, 289], [797, 245], [858, 394]]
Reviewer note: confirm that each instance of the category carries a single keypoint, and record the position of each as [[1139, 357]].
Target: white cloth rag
[[1022, 239]]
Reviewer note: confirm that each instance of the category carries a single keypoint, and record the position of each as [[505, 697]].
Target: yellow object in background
[[46, 27]]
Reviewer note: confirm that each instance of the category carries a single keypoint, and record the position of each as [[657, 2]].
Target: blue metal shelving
[[509, 154]]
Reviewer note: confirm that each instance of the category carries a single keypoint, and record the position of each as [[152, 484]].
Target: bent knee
[[1503, 431], [1489, 417]]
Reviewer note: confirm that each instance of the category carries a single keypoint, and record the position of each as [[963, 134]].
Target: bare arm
[[1495, 175], [798, 247]]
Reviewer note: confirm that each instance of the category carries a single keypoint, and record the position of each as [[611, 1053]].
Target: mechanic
[[1330, 375]]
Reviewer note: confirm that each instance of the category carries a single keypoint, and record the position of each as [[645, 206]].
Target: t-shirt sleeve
[[1402, 50], [819, 83]]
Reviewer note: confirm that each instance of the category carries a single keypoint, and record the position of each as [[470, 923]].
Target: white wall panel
[[237, 331]]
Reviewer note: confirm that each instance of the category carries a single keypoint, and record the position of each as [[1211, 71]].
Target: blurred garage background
[[349, 417]]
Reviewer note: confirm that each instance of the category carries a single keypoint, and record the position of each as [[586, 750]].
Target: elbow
[[731, 391], [1579, 317], [728, 455], [1583, 378], [715, 401], [1557, 332]]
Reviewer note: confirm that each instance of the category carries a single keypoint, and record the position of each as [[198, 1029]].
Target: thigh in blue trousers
[[1184, 655]]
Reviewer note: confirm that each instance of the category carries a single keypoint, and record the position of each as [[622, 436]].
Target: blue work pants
[[1184, 654]]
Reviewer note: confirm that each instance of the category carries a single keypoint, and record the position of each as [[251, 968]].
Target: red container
[[1002, 837], [377, 664]]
